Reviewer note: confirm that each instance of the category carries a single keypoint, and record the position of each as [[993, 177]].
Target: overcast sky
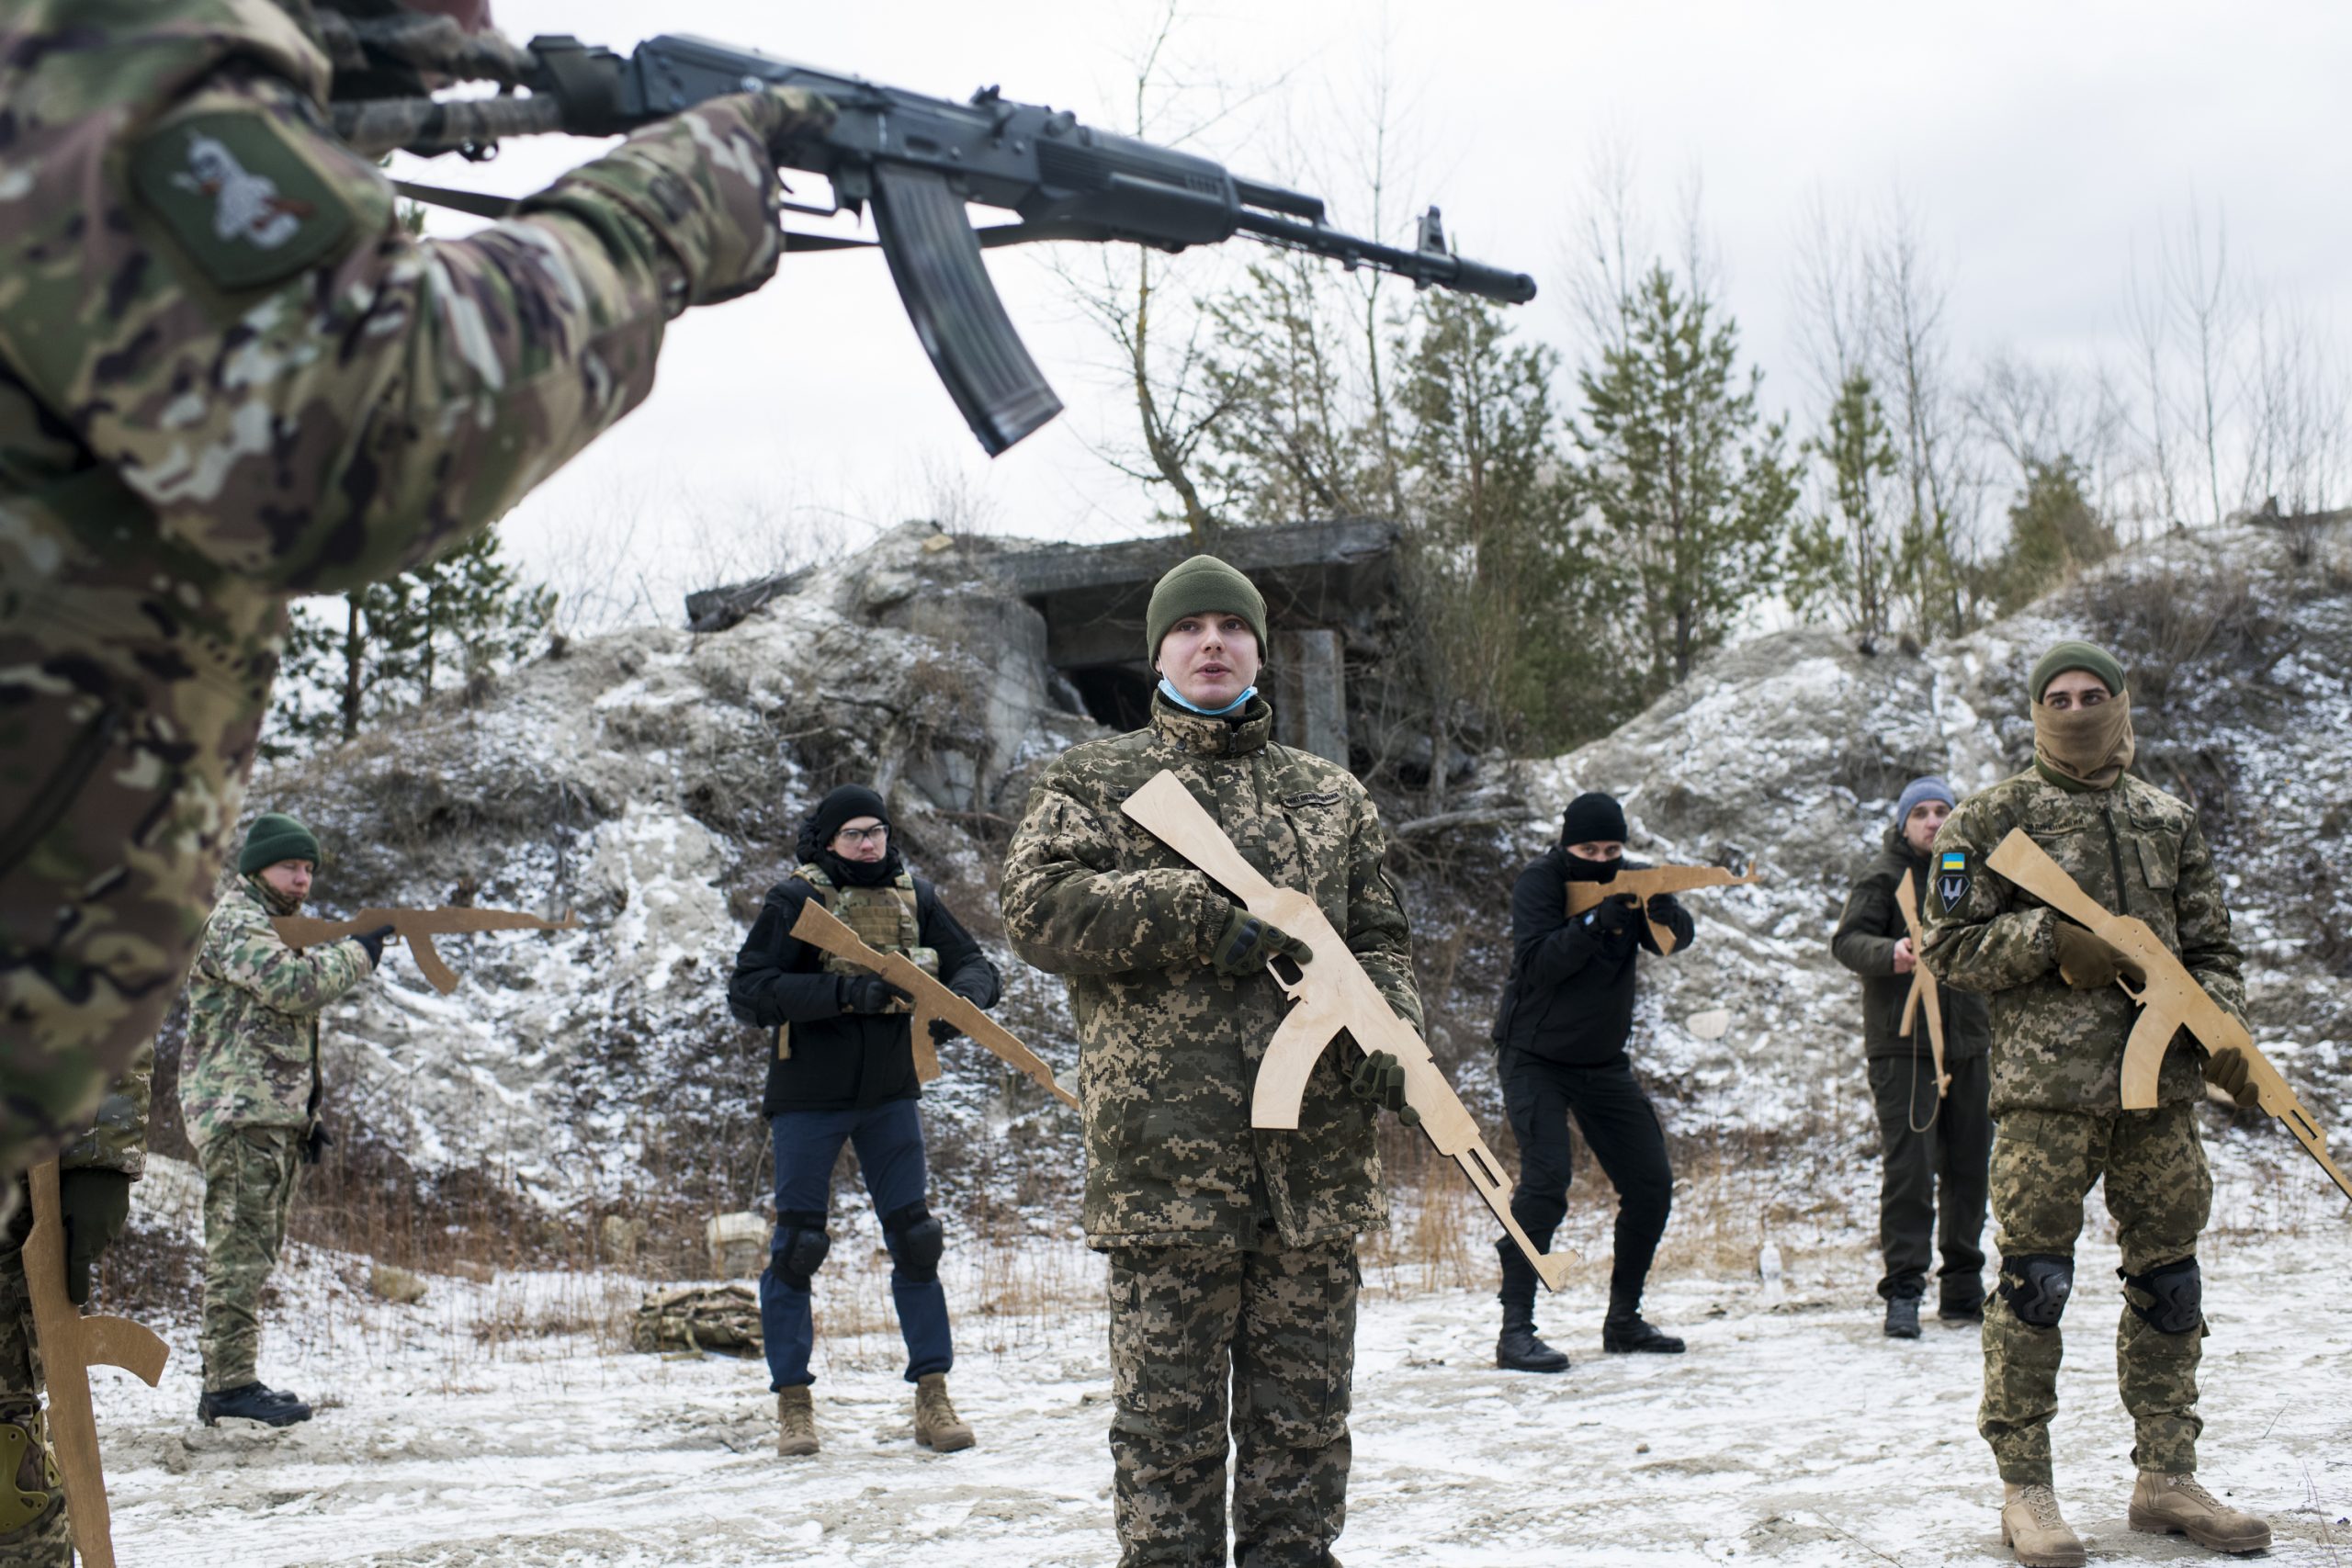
[[2038, 144]]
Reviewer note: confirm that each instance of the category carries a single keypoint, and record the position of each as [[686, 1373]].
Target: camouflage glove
[[95, 1205], [872, 993], [2228, 1069], [1246, 944], [1380, 1077], [2087, 962], [374, 943]]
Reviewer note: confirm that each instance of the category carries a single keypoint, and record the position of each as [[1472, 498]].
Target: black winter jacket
[[1864, 942], [1570, 997], [839, 1061]]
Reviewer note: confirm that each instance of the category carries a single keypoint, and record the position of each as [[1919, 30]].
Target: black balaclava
[[815, 846], [1590, 818]]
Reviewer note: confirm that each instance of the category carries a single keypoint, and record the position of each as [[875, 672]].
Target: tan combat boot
[[2166, 1504], [795, 1422], [2032, 1527], [936, 1424]]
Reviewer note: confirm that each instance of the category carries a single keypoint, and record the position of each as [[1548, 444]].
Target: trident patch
[[1951, 879]]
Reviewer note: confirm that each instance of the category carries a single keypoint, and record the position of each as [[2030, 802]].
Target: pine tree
[[1688, 480], [2054, 533], [1843, 560]]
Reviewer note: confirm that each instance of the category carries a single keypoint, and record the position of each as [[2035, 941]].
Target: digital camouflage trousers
[[1279, 1327], [33, 1532], [2160, 1190], [249, 1180]]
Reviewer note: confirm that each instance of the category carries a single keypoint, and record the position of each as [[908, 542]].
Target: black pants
[[1618, 1122], [1924, 1143]]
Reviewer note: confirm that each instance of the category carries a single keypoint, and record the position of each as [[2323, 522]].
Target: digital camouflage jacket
[[1168, 1048], [251, 1059], [2135, 849], [228, 375]]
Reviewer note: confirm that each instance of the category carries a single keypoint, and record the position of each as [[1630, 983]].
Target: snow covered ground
[[506, 1422]]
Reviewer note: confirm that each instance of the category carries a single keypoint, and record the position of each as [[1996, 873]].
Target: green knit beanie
[[275, 837], [2068, 655], [1199, 587]]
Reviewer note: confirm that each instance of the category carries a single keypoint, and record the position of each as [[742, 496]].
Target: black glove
[[1247, 943], [1380, 1077], [871, 993], [1661, 910], [374, 943], [1616, 915], [95, 1205], [943, 1031], [314, 1147]]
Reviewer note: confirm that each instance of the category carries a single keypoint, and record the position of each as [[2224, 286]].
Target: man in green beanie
[[2060, 1024], [250, 1091], [1232, 1250]]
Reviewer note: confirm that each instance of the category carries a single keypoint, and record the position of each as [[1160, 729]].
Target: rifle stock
[[1925, 994], [417, 928], [70, 1344], [817, 926], [1332, 993], [1648, 881], [2169, 996]]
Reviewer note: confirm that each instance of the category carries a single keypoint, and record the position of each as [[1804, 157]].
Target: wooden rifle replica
[[817, 927], [417, 928], [70, 1344], [1925, 994], [1648, 882], [2169, 996], [1333, 994]]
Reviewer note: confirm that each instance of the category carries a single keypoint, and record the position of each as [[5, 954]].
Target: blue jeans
[[888, 1141]]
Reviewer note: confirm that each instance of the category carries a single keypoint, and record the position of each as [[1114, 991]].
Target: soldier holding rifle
[[2060, 1025]]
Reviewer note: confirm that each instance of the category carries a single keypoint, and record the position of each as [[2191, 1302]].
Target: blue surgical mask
[[1173, 696]]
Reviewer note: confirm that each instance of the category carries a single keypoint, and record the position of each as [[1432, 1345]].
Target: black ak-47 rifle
[[918, 160]]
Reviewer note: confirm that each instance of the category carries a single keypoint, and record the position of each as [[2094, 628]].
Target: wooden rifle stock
[[1332, 993], [819, 928], [2169, 996], [1925, 994], [417, 928], [70, 1344], [1648, 882]]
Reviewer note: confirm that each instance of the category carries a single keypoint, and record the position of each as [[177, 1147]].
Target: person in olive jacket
[[1567, 1013], [842, 1070], [1923, 1140]]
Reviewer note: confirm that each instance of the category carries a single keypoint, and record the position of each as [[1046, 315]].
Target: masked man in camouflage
[[843, 1071], [1232, 1252], [250, 1091], [230, 376], [2060, 1022], [1926, 1139], [93, 1182]]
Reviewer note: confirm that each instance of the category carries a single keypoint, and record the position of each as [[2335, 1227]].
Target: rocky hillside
[[650, 780]]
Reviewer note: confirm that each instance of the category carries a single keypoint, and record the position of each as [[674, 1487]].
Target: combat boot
[[1519, 1350], [795, 1422], [1624, 1330], [1903, 1317], [2033, 1528], [252, 1402], [2168, 1504], [937, 1426]]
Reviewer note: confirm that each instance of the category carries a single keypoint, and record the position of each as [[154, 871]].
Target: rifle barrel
[[1424, 268]]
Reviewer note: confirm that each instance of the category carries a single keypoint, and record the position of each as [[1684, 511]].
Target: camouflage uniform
[[1222, 1237], [117, 1141], [228, 375], [2056, 1090], [249, 1092]]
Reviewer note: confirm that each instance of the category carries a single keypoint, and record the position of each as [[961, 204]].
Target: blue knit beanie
[[1917, 789]]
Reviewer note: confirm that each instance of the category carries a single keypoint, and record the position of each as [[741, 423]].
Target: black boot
[[253, 1402], [1519, 1350], [1903, 1317], [1624, 1332]]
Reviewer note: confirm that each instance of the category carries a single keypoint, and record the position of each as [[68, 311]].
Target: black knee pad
[[800, 1247], [2169, 1299], [916, 1240], [2036, 1286]]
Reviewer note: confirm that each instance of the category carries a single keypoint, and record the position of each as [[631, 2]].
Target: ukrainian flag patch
[[1952, 878]]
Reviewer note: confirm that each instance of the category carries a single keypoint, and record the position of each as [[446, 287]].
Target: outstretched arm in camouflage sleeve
[[1982, 942], [1070, 910], [244, 950]]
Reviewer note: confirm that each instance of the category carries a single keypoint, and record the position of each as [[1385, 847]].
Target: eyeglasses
[[878, 833]]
